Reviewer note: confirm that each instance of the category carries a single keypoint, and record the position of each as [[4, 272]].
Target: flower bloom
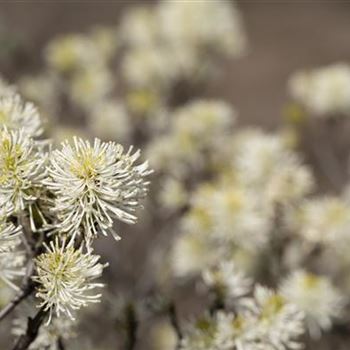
[[93, 184], [316, 297], [16, 114], [21, 169], [65, 276]]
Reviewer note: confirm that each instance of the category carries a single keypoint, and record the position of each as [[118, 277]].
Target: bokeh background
[[283, 36]]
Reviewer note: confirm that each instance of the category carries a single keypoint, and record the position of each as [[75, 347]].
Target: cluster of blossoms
[[157, 40], [56, 202], [257, 318], [323, 92], [238, 209], [231, 199]]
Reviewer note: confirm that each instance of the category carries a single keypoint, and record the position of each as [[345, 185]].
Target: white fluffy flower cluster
[[324, 92], [21, 169], [265, 321], [157, 41], [195, 129], [324, 220], [227, 282], [78, 190], [238, 209], [268, 165], [316, 296], [65, 276], [16, 114], [95, 184]]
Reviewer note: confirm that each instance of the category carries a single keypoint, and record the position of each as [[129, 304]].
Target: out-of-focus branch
[[32, 331], [26, 290], [60, 344], [175, 323], [131, 325]]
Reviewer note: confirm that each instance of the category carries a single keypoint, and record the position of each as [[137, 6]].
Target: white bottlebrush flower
[[265, 163], [323, 91], [108, 119], [173, 195], [148, 67], [226, 280], [59, 329], [139, 27], [95, 183], [316, 297], [203, 120], [65, 278], [21, 169], [213, 25], [196, 128], [324, 220], [90, 86], [70, 52], [200, 335], [238, 217], [16, 114], [279, 323]]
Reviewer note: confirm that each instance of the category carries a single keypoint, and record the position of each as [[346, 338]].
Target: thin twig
[[32, 331], [131, 327], [26, 290], [175, 323], [60, 344]]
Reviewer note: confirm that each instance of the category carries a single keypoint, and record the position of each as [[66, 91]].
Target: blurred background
[[282, 37]]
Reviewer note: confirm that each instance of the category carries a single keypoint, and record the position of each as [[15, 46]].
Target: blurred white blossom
[[316, 297]]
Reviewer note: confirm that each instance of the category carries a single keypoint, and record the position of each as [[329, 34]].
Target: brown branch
[[26, 290], [60, 344], [33, 326], [131, 327], [175, 323]]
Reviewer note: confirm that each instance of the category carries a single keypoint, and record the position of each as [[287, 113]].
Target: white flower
[[263, 162], [316, 297], [213, 25], [16, 114], [149, 67], [324, 220], [200, 335], [21, 169], [238, 217], [204, 120], [226, 280], [173, 195], [324, 91], [280, 322], [191, 253], [94, 184], [139, 27], [90, 86], [108, 119], [65, 278], [71, 52]]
